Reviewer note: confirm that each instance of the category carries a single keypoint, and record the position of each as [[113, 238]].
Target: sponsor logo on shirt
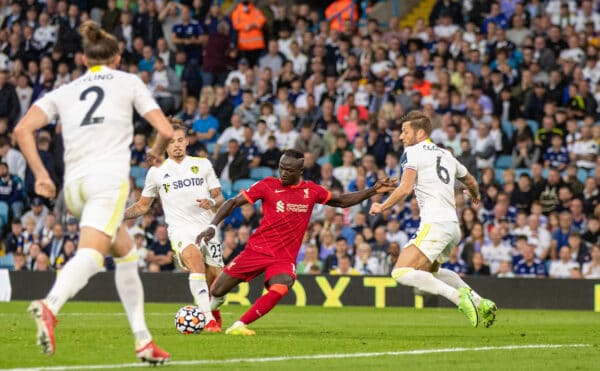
[[183, 183]]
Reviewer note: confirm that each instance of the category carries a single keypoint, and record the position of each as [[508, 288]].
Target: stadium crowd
[[513, 88]]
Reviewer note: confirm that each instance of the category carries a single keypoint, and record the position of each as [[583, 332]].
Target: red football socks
[[265, 303]]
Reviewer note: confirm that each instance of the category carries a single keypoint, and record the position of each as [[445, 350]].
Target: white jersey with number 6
[[439, 231], [434, 187], [96, 113]]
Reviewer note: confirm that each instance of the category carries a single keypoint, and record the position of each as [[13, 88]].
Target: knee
[[400, 273], [217, 290], [283, 279]]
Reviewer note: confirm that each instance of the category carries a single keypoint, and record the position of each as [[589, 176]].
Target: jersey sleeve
[[150, 186], [322, 194], [461, 170], [257, 191], [142, 98], [211, 177], [408, 159], [48, 105]]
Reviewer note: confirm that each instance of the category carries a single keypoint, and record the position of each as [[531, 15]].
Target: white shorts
[[98, 201], [436, 240], [184, 237]]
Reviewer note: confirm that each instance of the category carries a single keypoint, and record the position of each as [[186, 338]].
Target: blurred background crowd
[[512, 86]]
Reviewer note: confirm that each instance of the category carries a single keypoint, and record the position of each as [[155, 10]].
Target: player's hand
[[385, 185], [207, 235], [153, 159], [204, 203], [44, 186], [376, 208]]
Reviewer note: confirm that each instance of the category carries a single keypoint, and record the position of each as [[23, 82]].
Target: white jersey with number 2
[[96, 113], [434, 187]]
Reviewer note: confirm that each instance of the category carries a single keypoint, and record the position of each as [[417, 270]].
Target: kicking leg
[[487, 308], [279, 286], [413, 268], [131, 292], [93, 246], [212, 273], [194, 262]]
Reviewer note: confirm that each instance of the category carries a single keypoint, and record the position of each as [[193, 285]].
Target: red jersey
[[287, 212]]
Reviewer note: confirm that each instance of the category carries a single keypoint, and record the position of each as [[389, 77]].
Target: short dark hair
[[294, 153], [418, 120]]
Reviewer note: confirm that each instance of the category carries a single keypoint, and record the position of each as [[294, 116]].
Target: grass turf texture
[[104, 338]]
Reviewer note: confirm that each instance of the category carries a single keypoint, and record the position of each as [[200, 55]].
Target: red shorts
[[250, 264]]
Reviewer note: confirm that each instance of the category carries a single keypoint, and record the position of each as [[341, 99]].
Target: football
[[190, 320]]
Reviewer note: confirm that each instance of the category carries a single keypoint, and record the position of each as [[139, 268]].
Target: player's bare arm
[[405, 188], [353, 198], [24, 133], [215, 201], [141, 207], [471, 183], [165, 132], [224, 211]]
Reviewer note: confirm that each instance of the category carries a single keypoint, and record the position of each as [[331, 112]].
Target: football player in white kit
[[431, 171], [96, 112], [190, 193]]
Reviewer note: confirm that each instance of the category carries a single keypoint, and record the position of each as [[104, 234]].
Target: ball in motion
[[190, 320]]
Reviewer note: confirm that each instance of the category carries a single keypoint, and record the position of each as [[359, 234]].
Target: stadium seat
[[223, 149], [323, 160], [261, 172], [7, 262], [137, 172], [140, 182], [582, 174], [504, 162], [226, 188], [508, 128], [241, 184], [533, 125], [210, 147], [520, 171], [498, 176]]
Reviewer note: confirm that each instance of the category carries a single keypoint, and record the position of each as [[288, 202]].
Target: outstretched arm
[[405, 188], [223, 212], [353, 198]]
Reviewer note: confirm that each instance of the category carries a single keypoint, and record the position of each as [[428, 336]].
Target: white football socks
[[454, 280], [425, 281], [199, 290], [131, 293], [73, 277]]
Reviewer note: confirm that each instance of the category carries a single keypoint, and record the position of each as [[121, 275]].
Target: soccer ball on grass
[[190, 320]]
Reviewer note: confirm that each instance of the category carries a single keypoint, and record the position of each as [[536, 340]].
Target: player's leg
[[413, 269], [487, 308], [280, 277], [131, 292], [213, 262], [89, 260], [215, 302], [194, 262]]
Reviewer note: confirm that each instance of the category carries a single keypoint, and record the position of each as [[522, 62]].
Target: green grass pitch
[[91, 334]]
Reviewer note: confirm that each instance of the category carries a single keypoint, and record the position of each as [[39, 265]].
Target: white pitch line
[[306, 357], [84, 314]]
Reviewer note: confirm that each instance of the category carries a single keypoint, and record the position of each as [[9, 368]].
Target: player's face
[[290, 170], [408, 135], [177, 145]]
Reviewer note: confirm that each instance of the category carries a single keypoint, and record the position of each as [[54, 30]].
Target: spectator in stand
[[248, 21], [216, 56], [556, 156], [232, 165], [189, 36], [562, 267], [9, 101], [160, 254], [206, 125], [478, 266], [530, 266], [591, 269], [233, 132], [455, 264], [12, 192], [525, 154]]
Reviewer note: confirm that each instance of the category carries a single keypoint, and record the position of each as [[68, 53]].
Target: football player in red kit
[[273, 248]]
